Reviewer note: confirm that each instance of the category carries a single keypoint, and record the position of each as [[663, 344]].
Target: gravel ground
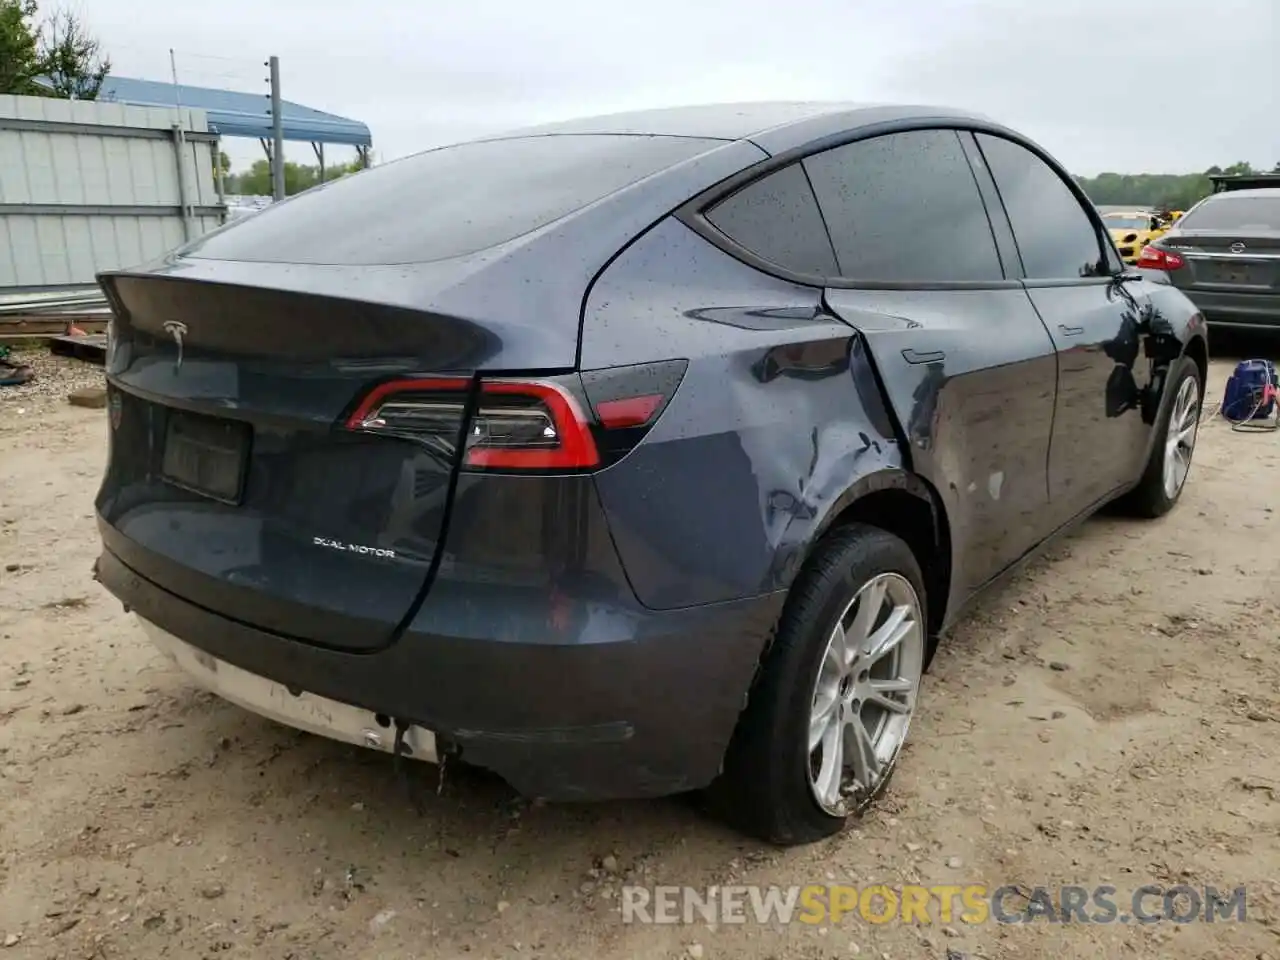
[[55, 377], [1109, 715]]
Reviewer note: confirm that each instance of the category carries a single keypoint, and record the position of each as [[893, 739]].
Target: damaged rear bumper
[[292, 707], [646, 715]]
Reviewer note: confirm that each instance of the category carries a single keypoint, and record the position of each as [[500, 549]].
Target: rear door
[[967, 364], [1099, 436]]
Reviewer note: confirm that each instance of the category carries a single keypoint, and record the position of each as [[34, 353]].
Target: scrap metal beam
[[102, 210]]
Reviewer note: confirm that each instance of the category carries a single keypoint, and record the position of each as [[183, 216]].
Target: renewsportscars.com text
[[968, 903]]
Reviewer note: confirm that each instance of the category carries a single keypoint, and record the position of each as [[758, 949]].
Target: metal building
[[88, 186]]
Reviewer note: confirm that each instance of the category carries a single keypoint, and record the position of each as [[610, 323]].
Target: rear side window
[[448, 202], [1056, 237], [777, 219], [1240, 214], [905, 207]]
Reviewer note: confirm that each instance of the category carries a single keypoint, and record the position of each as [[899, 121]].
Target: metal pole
[[218, 184], [179, 151], [277, 132]]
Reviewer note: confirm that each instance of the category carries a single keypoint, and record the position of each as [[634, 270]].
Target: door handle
[[1070, 331]]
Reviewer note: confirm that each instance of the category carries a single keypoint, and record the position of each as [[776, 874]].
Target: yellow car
[[1133, 230]]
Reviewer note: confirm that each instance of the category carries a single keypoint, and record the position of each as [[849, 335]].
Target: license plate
[[205, 455], [1237, 273]]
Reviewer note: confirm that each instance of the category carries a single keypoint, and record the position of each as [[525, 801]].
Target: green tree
[[71, 59], [19, 47]]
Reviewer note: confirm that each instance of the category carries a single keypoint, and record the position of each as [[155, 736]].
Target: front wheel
[[826, 722], [1167, 468]]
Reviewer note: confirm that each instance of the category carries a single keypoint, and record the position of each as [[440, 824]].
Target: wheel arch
[[906, 505], [1197, 350]]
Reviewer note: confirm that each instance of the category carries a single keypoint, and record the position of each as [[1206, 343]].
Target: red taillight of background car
[[1154, 258], [566, 423]]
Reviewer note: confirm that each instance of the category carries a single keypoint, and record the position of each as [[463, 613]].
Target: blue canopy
[[234, 114]]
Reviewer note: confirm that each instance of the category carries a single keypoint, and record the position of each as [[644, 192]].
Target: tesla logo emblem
[[1237, 248], [177, 330]]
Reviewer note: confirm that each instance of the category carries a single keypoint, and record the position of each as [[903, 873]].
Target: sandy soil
[[1109, 716]]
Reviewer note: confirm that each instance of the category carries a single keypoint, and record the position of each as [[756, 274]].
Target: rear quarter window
[[448, 202], [777, 219]]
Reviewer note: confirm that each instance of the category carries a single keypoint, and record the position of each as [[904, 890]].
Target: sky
[[1121, 85]]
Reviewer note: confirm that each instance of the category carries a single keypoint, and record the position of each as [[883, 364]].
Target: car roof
[[774, 126]]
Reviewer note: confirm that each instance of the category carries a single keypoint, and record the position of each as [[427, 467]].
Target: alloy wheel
[[865, 693], [1180, 439]]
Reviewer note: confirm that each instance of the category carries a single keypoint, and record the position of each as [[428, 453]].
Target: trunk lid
[[232, 481]]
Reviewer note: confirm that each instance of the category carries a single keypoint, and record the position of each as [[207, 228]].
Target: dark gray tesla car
[[633, 455], [1224, 253]]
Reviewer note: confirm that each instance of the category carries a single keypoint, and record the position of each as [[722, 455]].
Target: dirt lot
[[1109, 716]]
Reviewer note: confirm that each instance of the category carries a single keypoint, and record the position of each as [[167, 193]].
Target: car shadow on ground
[[365, 822]]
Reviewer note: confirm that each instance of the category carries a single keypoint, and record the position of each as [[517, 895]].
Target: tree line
[[256, 181], [1169, 191]]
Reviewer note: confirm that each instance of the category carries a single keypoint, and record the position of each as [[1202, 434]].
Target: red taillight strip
[[577, 447], [418, 385]]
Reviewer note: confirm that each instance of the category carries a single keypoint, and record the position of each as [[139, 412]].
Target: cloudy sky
[[1125, 85]]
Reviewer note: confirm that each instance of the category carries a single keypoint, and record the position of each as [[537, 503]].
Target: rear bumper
[[1244, 310], [305, 711], [647, 712]]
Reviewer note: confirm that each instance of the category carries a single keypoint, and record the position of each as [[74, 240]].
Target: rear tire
[[827, 698], [1165, 476]]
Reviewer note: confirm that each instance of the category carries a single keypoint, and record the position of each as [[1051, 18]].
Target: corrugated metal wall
[[92, 186]]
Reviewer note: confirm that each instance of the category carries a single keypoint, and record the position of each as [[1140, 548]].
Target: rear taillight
[[562, 423], [513, 424], [1154, 258]]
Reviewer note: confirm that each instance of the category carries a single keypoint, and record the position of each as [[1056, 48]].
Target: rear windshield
[[1236, 214], [447, 202], [1127, 223]]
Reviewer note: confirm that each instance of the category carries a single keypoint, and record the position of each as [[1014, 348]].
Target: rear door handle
[[1070, 331]]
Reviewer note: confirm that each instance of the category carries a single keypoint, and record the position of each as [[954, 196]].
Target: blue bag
[[1251, 391]]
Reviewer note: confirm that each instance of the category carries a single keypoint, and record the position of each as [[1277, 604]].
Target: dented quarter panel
[[771, 427]]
